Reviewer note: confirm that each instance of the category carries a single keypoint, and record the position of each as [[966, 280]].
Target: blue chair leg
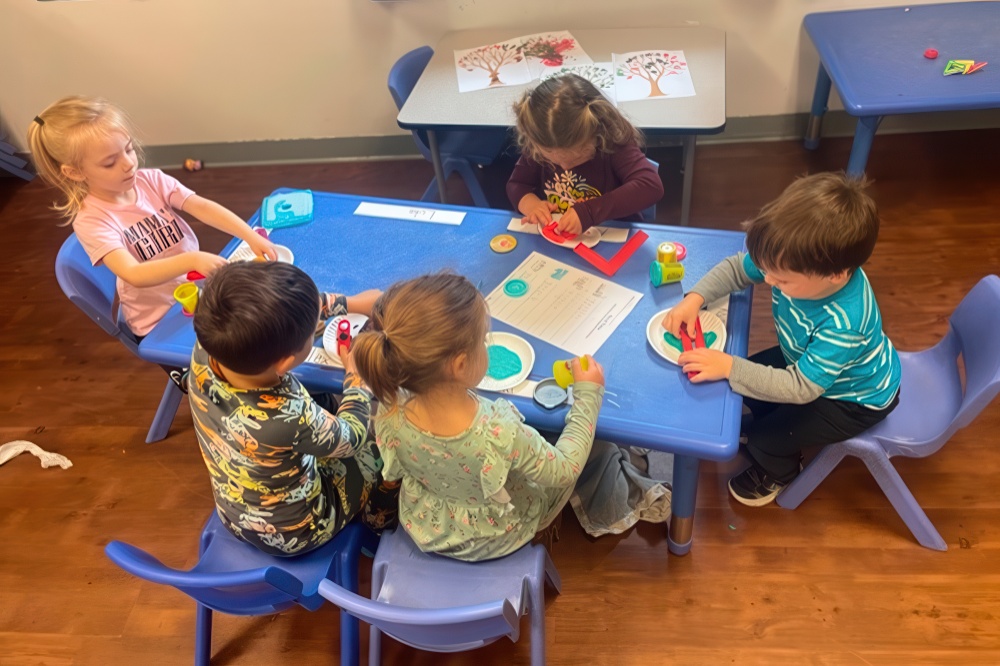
[[203, 636], [536, 610], [902, 499], [468, 173], [806, 482], [165, 413], [374, 633], [431, 193], [347, 574]]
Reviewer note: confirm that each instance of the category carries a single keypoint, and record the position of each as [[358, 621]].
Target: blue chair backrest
[[402, 78], [257, 591], [439, 629], [933, 403], [90, 288], [976, 322]]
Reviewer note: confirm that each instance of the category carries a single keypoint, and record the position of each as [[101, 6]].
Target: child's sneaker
[[753, 487]]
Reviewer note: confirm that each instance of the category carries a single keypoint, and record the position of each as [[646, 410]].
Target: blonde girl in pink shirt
[[124, 216]]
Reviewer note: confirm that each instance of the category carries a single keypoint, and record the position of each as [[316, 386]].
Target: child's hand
[[593, 373], [710, 364], [570, 223], [684, 313], [363, 302], [536, 211], [347, 358], [205, 263], [261, 246]]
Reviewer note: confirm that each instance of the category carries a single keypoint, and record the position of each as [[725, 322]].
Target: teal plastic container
[[288, 209]]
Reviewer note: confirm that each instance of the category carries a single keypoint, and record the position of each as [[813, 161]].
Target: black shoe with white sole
[[754, 487]]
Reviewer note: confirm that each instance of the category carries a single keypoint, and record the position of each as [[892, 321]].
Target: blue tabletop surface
[[875, 56], [657, 406]]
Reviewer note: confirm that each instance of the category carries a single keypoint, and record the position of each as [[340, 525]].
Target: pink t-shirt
[[149, 229]]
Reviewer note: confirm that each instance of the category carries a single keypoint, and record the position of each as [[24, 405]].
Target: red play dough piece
[[931, 54], [550, 232]]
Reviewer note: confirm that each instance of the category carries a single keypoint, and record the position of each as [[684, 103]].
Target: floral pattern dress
[[484, 493]]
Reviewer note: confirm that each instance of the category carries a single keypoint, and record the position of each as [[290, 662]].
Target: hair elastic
[[39, 120]]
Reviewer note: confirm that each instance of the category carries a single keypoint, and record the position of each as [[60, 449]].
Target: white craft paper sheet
[[563, 306], [414, 213], [601, 74], [573, 55], [492, 65], [644, 75]]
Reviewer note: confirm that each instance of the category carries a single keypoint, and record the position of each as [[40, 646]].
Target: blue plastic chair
[[439, 604], [234, 577], [462, 151], [649, 214], [933, 404], [92, 289]]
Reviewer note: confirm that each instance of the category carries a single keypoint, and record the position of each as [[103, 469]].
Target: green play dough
[[503, 362], [676, 343]]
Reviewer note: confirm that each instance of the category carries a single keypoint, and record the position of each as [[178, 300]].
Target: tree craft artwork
[[491, 59], [652, 66], [548, 49], [599, 76]]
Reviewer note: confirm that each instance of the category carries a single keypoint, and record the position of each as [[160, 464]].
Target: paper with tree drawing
[[601, 74], [548, 51], [561, 305], [492, 65], [643, 75]]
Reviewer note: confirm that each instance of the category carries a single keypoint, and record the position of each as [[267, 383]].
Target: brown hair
[[252, 314], [61, 134], [417, 327], [564, 112], [820, 225]]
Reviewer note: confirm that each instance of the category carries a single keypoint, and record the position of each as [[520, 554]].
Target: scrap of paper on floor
[[563, 306], [608, 234]]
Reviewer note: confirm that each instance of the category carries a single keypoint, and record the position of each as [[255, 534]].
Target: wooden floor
[[839, 581]]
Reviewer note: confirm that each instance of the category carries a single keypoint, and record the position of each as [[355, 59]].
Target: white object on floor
[[17, 447]]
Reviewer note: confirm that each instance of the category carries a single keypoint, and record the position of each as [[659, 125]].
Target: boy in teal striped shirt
[[834, 373]]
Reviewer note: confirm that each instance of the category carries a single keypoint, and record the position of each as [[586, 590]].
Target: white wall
[[206, 71]]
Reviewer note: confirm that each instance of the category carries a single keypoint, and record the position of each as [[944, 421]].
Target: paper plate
[[524, 351], [330, 334], [244, 253], [655, 331]]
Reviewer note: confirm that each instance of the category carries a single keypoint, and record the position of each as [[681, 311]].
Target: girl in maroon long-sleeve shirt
[[580, 157]]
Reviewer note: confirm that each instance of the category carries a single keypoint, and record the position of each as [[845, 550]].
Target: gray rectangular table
[[436, 104]]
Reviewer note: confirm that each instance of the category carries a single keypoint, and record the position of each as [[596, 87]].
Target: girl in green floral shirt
[[477, 483]]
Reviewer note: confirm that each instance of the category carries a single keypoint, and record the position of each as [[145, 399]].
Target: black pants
[[779, 431]]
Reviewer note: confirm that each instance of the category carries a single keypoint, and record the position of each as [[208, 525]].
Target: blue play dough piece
[[515, 288], [503, 362]]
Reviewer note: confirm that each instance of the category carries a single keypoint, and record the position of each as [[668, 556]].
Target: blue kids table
[[657, 407], [876, 59]]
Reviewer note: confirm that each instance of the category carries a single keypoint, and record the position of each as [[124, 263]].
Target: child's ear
[[285, 364], [71, 172], [840, 278], [458, 365]]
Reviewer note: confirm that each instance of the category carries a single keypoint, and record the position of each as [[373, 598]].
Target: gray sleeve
[[727, 276], [786, 385]]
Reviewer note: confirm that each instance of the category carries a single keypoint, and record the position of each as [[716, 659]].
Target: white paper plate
[[330, 334], [244, 253], [655, 331], [524, 351]]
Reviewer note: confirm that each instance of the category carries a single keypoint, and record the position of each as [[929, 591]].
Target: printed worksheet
[[492, 65], [561, 305], [548, 51], [643, 75]]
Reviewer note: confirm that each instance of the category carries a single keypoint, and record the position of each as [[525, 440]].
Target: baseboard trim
[[753, 128]]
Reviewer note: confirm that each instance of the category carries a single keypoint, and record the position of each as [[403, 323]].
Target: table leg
[[687, 170], [864, 133], [685, 489], [821, 96], [438, 167]]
